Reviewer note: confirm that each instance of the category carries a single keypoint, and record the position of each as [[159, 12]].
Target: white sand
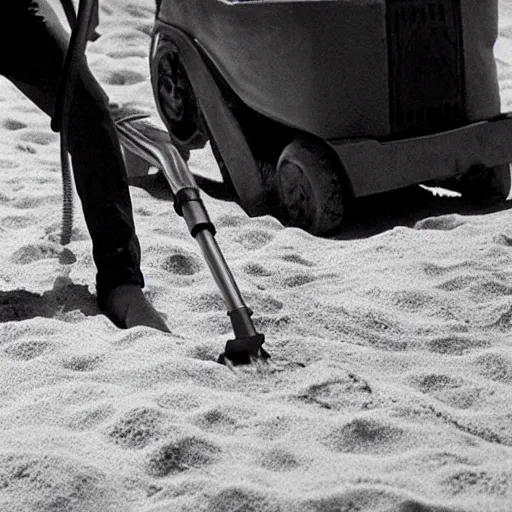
[[391, 389]]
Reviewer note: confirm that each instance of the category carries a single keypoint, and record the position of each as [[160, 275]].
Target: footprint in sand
[[239, 498], [456, 345], [207, 302], [44, 483], [35, 252], [502, 318], [279, 459], [378, 321], [255, 269], [13, 125], [495, 366], [443, 223], [40, 138], [462, 398], [182, 264], [124, 77], [180, 455], [365, 435], [490, 289], [299, 260], [298, 280], [86, 363], [27, 349], [254, 239], [453, 392], [218, 419], [433, 382], [137, 428], [478, 482]]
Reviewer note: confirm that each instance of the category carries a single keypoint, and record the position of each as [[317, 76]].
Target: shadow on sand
[[18, 305], [372, 215]]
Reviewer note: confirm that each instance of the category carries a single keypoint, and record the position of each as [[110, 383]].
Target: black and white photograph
[[256, 256]]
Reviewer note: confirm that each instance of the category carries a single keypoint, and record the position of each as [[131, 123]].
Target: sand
[[390, 386]]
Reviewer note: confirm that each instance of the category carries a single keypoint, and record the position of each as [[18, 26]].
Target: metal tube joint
[[189, 205]]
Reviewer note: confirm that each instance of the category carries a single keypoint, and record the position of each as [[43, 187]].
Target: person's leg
[[34, 66]]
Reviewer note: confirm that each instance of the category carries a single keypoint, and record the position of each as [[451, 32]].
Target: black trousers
[[32, 48]]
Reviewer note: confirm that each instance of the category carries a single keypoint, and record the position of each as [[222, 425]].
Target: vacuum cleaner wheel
[[178, 104], [309, 188], [500, 180], [482, 183]]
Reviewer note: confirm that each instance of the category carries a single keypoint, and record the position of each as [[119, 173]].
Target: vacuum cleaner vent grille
[[426, 76]]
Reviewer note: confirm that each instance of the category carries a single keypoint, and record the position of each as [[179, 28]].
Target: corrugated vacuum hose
[[74, 60]]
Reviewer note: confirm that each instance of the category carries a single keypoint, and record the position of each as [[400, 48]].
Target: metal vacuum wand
[[136, 138]]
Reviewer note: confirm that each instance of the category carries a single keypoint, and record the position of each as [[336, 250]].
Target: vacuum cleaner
[[309, 104]]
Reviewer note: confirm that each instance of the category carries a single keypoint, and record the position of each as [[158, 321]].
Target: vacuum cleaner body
[[308, 103]]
